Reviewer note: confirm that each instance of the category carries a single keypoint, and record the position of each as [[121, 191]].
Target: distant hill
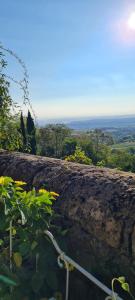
[[103, 123], [94, 122]]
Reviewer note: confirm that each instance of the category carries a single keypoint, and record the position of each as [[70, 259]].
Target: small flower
[[20, 182], [42, 191], [54, 194]]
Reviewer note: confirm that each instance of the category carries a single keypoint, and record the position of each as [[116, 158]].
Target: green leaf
[[18, 188], [34, 244], [1, 242], [17, 259], [23, 217], [24, 248], [125, 287], [58, 296], [7, 280], [48, 209], [13, 231], [52, 280], [37, 281], [6, 297], [43, 199], [64, 232], [121, 279]]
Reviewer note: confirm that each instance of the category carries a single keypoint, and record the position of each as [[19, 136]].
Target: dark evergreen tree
[[31, 132], [23, 133]]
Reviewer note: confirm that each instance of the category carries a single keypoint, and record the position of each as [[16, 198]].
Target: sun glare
[[131, 21]]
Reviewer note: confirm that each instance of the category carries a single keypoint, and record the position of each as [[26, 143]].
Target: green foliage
[[87, 146], [31, 261], [23, 133], [79, 157], [100, 141], [124, 285], [10, 137], [31, 132], [101, 163], [51, 140], [7, 280], [60, 142], [13, 136], [133, 163], [69, 146], [5, 100], [120, 159]]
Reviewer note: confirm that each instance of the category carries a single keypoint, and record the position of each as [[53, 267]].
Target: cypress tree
[[23, 131], [31, 131]]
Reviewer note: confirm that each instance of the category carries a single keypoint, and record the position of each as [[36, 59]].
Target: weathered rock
[[97, 203]]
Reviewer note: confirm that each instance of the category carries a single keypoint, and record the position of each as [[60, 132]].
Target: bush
[[79, 157], [26, 256]]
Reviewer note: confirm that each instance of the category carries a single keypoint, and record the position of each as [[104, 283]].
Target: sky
[[80, 55]]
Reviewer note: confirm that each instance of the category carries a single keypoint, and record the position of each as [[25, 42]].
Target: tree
[[45, 142], [120, 159], [51, 139], [87, 146], [100, 142], [69, 146], [60, 133], [133, 163], [10, 138], [23, 133], [31, 132], [79, 157]]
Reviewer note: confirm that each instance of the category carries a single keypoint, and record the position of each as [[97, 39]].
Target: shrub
[[79, 157], [26, 256]]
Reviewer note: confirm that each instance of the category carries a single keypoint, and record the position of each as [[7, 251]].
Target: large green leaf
[[25, 248], [37, 281], [7, 280], [52, 280]]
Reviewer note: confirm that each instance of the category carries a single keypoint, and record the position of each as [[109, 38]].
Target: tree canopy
[[10, 138]]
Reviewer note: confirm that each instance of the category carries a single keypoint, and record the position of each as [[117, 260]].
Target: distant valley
[[113, 122], [103, 123]]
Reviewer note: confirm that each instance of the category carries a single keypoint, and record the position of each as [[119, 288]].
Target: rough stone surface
[[97, 203]]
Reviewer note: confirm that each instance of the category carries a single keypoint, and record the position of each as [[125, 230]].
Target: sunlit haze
[[131, 21]]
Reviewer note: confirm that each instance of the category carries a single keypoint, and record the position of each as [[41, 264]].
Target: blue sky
[[80, 55]]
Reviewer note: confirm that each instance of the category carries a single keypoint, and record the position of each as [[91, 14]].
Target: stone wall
[[96, 204]]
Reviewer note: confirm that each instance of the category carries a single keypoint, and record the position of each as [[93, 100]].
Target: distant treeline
[[90, 147]]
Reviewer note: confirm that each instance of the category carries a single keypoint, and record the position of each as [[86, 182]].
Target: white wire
[[61, 258], [68, 260], [67, 281]]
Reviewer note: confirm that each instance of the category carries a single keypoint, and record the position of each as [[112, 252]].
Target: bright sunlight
[[131, 21]]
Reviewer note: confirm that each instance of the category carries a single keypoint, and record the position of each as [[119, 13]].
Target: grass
[[124, 145]]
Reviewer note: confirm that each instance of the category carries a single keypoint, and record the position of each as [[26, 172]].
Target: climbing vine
[[10, 135]]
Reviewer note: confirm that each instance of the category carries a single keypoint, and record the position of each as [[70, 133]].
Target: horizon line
[[87, 117]]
